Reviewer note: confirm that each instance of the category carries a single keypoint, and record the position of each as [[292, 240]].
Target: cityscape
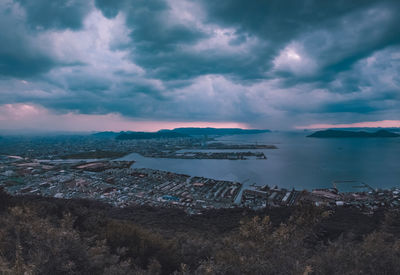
[[85, 167], [181, 137]]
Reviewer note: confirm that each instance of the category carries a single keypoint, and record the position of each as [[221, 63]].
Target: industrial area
[[114, 182]]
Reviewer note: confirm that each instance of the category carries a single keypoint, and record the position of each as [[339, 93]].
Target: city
[[68, 170], [180, 137]]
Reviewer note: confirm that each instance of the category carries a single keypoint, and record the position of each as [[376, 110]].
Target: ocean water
[[299, 162]]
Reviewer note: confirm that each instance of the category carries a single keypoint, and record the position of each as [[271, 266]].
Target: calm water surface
[[300, 162]]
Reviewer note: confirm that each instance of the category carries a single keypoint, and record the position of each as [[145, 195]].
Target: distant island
[[353, 134], [178, 133], [369, 129]]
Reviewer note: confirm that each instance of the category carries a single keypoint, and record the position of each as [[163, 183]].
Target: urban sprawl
[[91, 168]]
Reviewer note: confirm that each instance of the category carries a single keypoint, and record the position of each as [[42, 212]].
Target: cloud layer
[[272, 64]]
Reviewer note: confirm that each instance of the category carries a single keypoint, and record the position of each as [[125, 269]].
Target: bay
[[299, 162]]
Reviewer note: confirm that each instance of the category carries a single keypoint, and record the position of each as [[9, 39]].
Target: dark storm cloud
[[349, 106], [19, 55], [335, 33], [85, 83], [150, 30], [279, 20], [162, 45], [22, 21], [16, 60], [55, 14], [156, 42], [250, 61], [137, 105]]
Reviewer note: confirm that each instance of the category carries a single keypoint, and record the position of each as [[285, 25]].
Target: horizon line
[[366, 124]]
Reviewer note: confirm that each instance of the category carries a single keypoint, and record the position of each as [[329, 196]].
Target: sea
[[299, 162]]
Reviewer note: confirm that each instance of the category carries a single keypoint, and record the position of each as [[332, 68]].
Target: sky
[[145, 65]]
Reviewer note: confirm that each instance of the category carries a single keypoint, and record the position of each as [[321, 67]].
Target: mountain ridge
[[178, 133]]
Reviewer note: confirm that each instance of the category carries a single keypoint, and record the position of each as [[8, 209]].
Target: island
[[352, 134]]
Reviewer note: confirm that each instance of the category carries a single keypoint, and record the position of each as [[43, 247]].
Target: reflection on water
[[300, 162]]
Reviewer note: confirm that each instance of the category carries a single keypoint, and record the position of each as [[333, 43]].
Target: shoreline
[[120, 184]]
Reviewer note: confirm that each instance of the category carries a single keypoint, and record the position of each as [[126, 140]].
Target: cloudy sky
[[150, 64]]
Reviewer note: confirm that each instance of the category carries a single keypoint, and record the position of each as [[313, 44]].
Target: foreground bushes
[[48, 236]]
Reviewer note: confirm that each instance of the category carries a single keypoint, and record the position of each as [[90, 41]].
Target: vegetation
[[52, 236]]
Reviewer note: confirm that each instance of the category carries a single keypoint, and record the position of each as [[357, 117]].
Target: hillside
[[56, 236]]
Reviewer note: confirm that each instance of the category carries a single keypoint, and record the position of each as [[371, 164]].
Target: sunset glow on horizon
[[29, 116]]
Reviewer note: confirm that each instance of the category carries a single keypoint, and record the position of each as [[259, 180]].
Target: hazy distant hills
[[107, 134], [178, 133], [149, 135], [353, 134], [216, 131]]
